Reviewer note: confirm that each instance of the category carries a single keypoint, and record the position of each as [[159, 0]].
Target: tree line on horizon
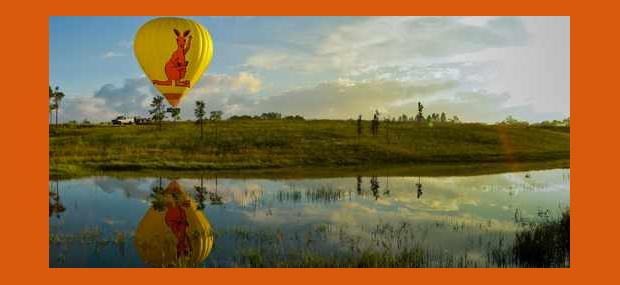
[[158, 113]]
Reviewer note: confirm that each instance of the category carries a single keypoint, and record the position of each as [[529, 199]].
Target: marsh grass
[[541, 242], [390, 246], [326, 194], [91, 237], [544, 243]]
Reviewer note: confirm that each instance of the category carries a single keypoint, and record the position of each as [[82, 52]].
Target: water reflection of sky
[[483, 205]]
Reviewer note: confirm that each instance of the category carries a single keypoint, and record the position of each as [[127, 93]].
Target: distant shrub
[[511, 121], [294, 118], [267, 116]]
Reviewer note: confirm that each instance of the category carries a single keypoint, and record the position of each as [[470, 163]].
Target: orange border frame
[[25, 142]]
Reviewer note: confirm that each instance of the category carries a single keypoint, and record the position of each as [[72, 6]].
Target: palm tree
[[374, 187], [215, 117], [359, 129], [201, 192], [374, 127], [57, 97], [56, 207], [51, 106], [158, 113], [175, 114], [214, 197], [200, 114]]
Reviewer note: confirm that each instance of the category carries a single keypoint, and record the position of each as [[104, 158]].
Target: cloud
[[478, 68], [388, 40], [280, 59], [125, 44], [132, 188], [344, 99], [339, 99], [395, 40], [90, 108], [111, 54], [228, 93], [524, 60], [221, 83], [131, 97], [220, 91]]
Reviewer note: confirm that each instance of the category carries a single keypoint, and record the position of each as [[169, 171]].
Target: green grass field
[[282, 144]]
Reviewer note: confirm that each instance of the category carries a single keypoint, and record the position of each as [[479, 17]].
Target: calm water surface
[[159, 221]]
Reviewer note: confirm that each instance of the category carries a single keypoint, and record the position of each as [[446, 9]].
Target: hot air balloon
[[173, 232], [173, 52]]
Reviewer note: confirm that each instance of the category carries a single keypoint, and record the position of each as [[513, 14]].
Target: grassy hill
[[268, 144]]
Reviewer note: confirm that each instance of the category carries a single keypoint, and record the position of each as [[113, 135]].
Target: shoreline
[[392, 170]]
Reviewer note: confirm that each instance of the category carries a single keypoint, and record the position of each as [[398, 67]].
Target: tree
[[420, 116], [214, 197], [201, 190], [443, 117], [510, 120], [294, 118], [374, 126], [387, 130], [566, 121], [240, 117], [419, 188], [175, 113], [56, 206], [374, 187], [57, 97], [157, 112], [215, 117], [51, 108], [157, 197], [359, 128], [200, 114], [271, 116]]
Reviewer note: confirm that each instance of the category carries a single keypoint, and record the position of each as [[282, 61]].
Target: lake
[[448, 221]]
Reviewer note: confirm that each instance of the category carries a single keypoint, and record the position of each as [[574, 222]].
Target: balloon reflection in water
[[173, 232]]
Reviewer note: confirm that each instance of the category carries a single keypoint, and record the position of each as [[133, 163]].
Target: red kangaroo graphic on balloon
[[176, 220], [176, 66]]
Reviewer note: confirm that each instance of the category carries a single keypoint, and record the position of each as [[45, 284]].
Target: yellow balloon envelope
[[173, 53], [177, 234]]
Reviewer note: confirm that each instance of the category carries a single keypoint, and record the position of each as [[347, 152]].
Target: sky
[[480, 69]]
